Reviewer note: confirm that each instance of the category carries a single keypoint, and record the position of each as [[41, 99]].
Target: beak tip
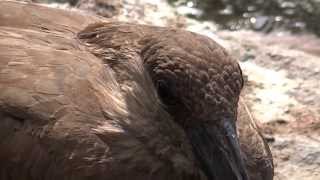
[[218, 151]]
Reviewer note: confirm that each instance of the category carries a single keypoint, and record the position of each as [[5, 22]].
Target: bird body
[[65, 115], [258, 157], [82, 97]]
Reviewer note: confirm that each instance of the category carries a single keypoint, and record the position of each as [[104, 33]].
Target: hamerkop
[[85, 98]]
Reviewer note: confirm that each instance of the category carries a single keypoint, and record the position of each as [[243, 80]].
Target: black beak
[[218, 150]]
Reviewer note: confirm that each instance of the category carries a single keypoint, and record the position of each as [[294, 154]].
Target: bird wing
[[62, 112], [49, 88]]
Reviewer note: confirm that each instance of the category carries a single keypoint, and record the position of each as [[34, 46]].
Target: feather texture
[[80, 101]]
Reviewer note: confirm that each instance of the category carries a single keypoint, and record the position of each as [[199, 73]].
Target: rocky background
[[277, 43]]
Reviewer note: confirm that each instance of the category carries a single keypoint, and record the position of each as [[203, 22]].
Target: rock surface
[[283, 94]]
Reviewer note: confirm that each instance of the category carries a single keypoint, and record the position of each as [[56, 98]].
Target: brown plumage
[[257, 154], [113, 100]]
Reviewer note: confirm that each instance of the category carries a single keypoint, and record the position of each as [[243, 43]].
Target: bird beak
[[218, 150]]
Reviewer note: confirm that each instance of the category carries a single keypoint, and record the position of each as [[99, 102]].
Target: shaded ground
[[282, 81], [261, 15]]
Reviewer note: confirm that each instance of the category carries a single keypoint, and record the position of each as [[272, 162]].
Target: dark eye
[[165, 93]]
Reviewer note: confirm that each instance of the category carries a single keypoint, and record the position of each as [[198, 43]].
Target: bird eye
[[165, 93]]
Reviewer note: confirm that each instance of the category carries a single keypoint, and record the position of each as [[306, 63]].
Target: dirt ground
[[282, 73]]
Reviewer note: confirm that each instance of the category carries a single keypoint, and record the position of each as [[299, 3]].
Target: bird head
[[199, 85]]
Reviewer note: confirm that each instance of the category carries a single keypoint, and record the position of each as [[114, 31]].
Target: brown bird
[[113, 100]]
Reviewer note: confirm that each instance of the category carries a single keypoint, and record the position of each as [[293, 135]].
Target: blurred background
[[277, 43]]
